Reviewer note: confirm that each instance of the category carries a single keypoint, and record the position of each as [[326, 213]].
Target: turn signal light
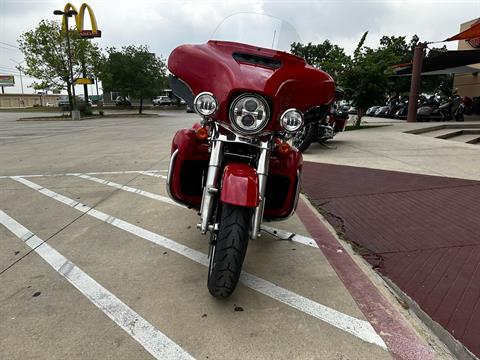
[[284, 148], [201, 133]]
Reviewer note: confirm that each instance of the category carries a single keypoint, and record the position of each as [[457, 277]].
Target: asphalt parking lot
[[97, 263]]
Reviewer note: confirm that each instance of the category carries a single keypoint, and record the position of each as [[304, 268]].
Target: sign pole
[[21, 81], [75, 113]]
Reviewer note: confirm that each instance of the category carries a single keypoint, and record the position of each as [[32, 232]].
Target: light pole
[[19, 68], [66, 15]]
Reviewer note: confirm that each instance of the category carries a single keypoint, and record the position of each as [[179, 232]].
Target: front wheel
[[305, 136], [229, 250]]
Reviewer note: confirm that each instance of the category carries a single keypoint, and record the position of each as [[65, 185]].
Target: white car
[[162, 100]]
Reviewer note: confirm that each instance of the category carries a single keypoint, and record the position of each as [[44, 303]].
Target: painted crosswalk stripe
[[359, 328], [153, 340]]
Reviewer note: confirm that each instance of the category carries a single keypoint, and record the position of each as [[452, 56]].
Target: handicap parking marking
[[153, 340], [359, 328]]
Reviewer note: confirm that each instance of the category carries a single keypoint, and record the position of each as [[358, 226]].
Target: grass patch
[[363, 127]]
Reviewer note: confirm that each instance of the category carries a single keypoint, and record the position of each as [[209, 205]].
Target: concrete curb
[[455, 346], [399, 336]]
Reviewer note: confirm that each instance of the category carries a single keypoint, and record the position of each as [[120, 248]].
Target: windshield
[[258, 30]]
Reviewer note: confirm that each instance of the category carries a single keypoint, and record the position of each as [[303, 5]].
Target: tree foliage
[[46, 57], [326, 56], [135, 71], [367, 77]]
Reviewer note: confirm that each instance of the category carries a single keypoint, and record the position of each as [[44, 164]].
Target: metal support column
[[415, 84]]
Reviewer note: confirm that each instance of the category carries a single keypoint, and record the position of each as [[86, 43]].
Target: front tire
[[229, 250]]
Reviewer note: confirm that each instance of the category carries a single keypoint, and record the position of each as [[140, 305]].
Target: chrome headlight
[[291, 120], [249, 114], [205, 104]]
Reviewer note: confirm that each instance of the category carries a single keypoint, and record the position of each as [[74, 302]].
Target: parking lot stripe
[[153, 174], [282, 234], [359, 328], [130, 189], [145, 172], [153, 340]]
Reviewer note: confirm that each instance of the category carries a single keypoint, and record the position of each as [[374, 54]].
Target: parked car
[[162, 100], [122, 101]]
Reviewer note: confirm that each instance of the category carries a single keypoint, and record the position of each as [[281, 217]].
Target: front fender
[[240, 185]]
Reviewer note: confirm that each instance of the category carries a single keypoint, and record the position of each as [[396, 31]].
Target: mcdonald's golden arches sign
[[79, 21]]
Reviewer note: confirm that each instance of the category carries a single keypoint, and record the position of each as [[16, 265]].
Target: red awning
[[471, 33]]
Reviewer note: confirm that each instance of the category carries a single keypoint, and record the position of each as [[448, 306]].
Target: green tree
[[46, 57], [326, 56], [366, 80], [401, 52], [135, 71]]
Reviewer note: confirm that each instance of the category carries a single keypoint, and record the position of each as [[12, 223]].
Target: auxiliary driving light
[[205, 104], [291, 120]]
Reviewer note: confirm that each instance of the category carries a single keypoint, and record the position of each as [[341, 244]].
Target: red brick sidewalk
[[422, 232]]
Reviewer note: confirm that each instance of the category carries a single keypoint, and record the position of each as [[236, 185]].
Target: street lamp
[[66, 15]]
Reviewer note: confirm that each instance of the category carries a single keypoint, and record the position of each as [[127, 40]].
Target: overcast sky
[[162, 25]]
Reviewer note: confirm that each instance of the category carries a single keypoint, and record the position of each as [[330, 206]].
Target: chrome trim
[[170, 173], [211, 184], [262, 172], [252, 141], [238, 128], [301, 115], [195, 103], [210, 191]]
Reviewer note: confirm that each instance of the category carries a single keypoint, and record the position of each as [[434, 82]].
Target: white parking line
[[130, 189], [153, 174], [359, 328], [153, 340], [145, 172], [282, 234]]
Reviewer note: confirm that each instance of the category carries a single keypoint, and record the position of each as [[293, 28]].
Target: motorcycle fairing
[[227, 68]]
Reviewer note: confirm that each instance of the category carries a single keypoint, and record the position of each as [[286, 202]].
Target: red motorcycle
[[236, 166]]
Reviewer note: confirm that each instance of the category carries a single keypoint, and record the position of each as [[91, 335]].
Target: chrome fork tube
[[262, 172], [211, 185]]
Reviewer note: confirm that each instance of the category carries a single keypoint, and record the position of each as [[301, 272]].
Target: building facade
[[468, 84]]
